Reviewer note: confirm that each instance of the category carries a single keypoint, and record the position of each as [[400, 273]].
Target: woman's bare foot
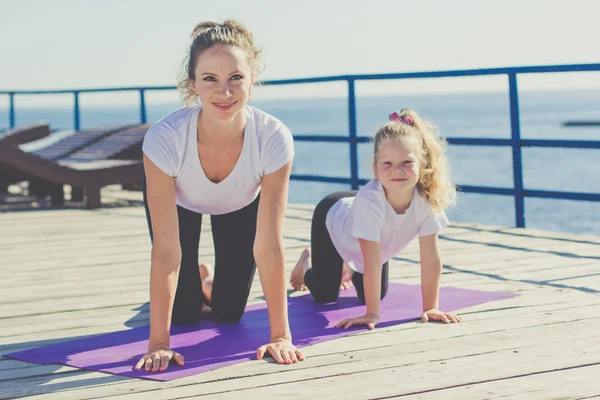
[[303, 264], [206, 275], [346, 277]]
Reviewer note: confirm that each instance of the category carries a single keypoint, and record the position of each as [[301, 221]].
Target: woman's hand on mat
[[370, 320], [282, 350], [158, 358], [434, 314]]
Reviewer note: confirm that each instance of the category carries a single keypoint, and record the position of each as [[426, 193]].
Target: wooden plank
[[100, 317], [410, 366], [135, 272], [61, 331], [100, 279], [578, 382]]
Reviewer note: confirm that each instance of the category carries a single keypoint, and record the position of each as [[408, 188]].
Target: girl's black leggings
[[324, 278], [233, 237]]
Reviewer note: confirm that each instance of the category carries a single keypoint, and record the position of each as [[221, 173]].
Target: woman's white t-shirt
[[171, 144], [370, 216]]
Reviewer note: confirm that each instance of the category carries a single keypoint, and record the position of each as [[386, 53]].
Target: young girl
[[354, 234], [220, 157]]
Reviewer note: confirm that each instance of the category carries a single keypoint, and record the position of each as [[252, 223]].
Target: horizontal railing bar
[[319, 138], [479, 141], [334, 78], [578, 144], [486, 190], [547, 194], [318, 178]]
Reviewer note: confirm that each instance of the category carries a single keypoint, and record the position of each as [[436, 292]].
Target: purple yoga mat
[[209, 345]]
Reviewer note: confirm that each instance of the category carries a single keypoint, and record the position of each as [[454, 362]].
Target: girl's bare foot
[[303, 264], [206, 275], [346, 277]]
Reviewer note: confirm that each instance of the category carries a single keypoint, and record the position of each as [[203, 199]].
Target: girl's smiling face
[[397, 164]]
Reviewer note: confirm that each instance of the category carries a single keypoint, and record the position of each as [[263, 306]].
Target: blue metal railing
[[515, 142]]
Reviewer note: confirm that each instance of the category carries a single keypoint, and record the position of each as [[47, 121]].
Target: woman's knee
[[185, 316], [227, 314], [360, 293], [325, 297]]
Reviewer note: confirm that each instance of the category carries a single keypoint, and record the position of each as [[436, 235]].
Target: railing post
[[11, 110], [352, 133], [76, 123], [142, 107], [515, 128]]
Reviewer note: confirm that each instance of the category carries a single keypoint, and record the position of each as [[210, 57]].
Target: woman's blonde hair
[[209, 34], [434, 176]]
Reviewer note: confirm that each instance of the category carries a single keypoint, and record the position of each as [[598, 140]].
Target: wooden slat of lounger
[[76, 142], [97, 164], [111, 145]]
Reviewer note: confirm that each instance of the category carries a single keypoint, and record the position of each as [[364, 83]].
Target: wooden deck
[[73, 273]]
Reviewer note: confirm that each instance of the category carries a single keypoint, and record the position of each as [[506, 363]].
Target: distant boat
[[581, 123]]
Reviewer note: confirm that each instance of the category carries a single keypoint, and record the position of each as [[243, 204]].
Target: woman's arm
[[270, 260], [165, 261], [268, 248], [431, 272]]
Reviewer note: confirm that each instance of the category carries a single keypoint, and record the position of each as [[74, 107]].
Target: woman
[[233, 162]]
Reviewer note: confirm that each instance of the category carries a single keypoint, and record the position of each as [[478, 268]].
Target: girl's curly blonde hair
[[208, 34], [435, 182]]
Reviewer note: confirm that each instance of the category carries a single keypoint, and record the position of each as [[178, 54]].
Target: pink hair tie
[[405, 119]]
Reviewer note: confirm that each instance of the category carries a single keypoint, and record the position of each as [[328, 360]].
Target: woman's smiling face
[[223, 81]]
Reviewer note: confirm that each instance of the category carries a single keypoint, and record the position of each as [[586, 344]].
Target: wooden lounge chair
[[59, 144], [122, 145], [86, 167], [24, 134]]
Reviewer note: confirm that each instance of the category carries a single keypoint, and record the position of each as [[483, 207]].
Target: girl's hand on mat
[[282, 350], [158, 358], [436, 315], [370, 320]]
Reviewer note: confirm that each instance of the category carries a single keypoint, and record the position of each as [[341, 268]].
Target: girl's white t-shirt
[[370, 216], [171, 144]]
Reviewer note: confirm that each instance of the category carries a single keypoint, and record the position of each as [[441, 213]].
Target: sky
[[67, 44]]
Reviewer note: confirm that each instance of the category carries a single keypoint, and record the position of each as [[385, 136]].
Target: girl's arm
[[371, 252], [372, 278], [165, 261], [431, 272], [270, 260]]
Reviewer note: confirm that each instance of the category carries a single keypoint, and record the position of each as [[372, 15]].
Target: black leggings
[[233, 237], [324, 278]]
